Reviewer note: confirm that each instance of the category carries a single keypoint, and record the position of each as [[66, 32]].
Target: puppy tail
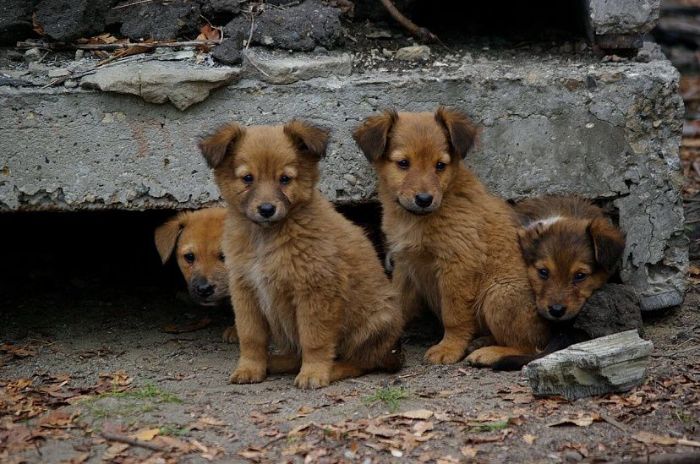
[[515, 363]]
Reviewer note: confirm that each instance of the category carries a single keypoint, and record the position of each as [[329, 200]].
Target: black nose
[[266, 210], [424, 200], [204, 289], [557, 310]]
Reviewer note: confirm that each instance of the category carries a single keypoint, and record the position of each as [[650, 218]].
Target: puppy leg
[[253, 333], [287, 363], [318, 322], [481, 342], [410, 301], [458, 320], [230, 334], [345, 370], [489, 356]]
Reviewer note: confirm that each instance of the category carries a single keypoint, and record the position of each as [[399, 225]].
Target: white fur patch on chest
[[257, 277]]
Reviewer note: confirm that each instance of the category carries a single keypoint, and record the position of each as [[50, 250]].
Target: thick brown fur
[[300, 274], [570, 248], [460, 254], [195, 238]]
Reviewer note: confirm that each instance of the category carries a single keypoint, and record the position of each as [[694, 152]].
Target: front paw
[[248, 374], [313, 377], [484, 357], [230, 335], [444, 354]]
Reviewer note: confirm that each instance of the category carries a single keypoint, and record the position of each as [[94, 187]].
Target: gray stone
[[15, 20], [33, 54], [178, 83], [413, 53], [623, 16], [67, 20], [58, 72], [230, 51], [613, 308], [301, 27], [286, 68], [157, 20], [614, 363], [608, 131]]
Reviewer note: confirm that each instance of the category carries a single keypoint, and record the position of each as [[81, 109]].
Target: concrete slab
[[608, 131]]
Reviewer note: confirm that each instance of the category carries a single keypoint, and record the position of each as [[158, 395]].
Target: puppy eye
[[440, 166], [248, 179], [285, 180], [579, 276], [189, 257], [543, 273], [222, 258], [403, 164]]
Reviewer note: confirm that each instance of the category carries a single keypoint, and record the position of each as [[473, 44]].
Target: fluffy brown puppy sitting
[[197, 237], [454, 245], [299, 272], [571, 249]]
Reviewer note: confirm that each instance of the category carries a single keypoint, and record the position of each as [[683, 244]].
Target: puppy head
[[567, 260], [265, 172], [416, 154], [195, 238]]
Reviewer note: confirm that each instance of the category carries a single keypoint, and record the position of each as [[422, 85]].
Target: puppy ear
[[372, 135], [529, 239], [307, 138], [461, 131], [216, 146], [608, 243], [166, 236]]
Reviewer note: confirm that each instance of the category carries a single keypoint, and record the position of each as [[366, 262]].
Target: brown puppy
[[299, 272], [197, 235], [454, 245], [570, 248]]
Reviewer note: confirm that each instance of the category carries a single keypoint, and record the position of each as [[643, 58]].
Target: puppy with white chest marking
[[300, 274], [195, 239]]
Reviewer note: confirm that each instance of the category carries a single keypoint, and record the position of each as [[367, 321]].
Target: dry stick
[[415, 30], [117, 46], [140, 2], [132, 441], [677, 458]]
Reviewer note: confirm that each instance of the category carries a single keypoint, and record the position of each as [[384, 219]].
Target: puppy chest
[[274, 297]]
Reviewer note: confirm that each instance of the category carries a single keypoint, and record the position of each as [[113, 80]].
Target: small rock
[[285, 68], [614, 363], [59, 72], [572, 456], [387, 53], [229, 51], [158, 82], [33, 54], [352, 180], [79, 54], [70, 84], [413, 53], [37, 69]]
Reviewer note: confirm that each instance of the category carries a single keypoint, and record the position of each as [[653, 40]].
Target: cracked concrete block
[[608, 131], [158, 82], [620, 23], [286, 68]]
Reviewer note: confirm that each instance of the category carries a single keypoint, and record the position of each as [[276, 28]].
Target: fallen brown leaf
[[146, 434], [529, 439], [416, 414], [580, 421]]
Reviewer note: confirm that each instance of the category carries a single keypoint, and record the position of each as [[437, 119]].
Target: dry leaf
[[421, 427], [146, 434], [416, 414], [663, 440], [529, 439], [468, 451], [381, 431], [581, 421]]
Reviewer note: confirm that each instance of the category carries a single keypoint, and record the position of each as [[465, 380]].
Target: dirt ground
[[78, 365]]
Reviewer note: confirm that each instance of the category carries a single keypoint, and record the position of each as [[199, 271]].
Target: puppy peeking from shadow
[[195, 239]]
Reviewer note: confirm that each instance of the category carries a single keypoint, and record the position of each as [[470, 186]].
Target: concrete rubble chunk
[[181, 84], [613, 308], [620, 23], [413, 53], [286, 68], [614, 363]]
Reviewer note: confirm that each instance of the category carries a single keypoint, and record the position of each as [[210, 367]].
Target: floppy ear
[[461, 131], [215, 147], [529, 239], [166, 236], [608, 243], [307, 138], [372, 135]]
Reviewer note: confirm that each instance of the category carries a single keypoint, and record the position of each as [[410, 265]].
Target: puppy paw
[[313, 378], [484, 357], [230, 335], [248, 374], [443, 354]]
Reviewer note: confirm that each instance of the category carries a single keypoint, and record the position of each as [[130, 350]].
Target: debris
[[613, 308], [420, 32], [132, 441], [609, 364], [583, 420], [285, 68], [32, 55], [182, 85], [300, 27], [413, 53]]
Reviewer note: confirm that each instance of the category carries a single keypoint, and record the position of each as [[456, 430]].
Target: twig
[[255, 64], [116, 46], [415, 30], [670, 458], [614, 422], [132, 441], [139, 2]]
